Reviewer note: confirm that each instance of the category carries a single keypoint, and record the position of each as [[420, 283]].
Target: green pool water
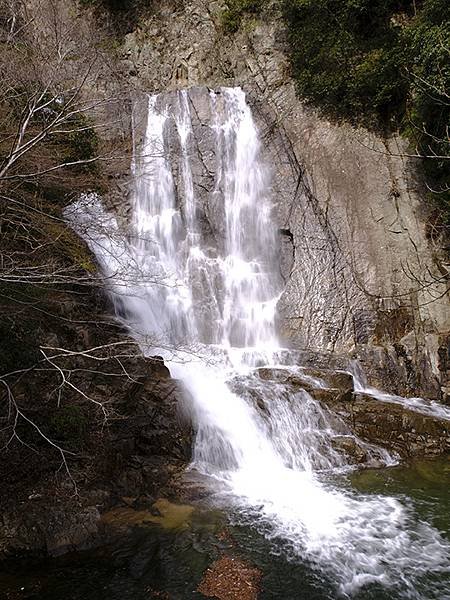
[[152, 559], [426, 483]]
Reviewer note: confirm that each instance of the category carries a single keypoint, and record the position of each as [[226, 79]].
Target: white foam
[[169, 287]]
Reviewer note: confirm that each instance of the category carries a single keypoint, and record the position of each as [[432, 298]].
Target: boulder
[[348, 445], [285, 376], [330, 396]]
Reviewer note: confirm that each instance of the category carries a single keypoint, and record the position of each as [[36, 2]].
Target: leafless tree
[[59, 124]]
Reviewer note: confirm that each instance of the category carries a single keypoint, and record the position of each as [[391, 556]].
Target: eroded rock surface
[[393, 426], [388, 424], [361, 276]]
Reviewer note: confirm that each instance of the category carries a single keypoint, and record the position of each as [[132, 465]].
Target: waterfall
[[196, 280]]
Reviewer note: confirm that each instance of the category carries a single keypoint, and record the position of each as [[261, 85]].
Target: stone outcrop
[[390, 425], [138, 453], [362, 277]]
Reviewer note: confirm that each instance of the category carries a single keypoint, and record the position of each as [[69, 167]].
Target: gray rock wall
[[361, 276]]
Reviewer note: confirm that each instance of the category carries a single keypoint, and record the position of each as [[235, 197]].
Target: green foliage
[[429, 102], [232, 15], [383, 64], [17, 347], [346, 59], [68, 423]]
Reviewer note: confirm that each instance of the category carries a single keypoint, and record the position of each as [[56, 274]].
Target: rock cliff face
[[362, 277]]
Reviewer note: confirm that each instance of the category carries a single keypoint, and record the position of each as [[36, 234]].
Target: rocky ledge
[[134, 463], [386, 423]]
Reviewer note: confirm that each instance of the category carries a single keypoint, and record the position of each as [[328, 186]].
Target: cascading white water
[[216, 306], [420, 405]]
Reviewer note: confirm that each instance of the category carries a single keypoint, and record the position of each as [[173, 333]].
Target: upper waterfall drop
[[215, 286], [195, 278]]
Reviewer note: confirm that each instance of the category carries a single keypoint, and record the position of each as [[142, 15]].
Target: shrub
[[378, 63], [69, 423], [231, 17], [346, 60]]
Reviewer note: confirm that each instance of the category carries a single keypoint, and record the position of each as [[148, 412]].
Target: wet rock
[[192, 486], [392, 426], [163, 512], [330, 396], [341, 380], [65, 533], [309, 378], [286, 376], [48, 530], [349, 446], [147, 475], [271, 374], [159, 369]]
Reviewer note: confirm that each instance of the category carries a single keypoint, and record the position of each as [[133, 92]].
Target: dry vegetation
[[231, 579], [60, 135]]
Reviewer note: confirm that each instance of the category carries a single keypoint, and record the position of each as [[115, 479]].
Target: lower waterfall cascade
[[204, 298]]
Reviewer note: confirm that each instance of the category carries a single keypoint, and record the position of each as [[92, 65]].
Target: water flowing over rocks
[[204, 297], [261, 253], [391, 425], [362, 276]]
